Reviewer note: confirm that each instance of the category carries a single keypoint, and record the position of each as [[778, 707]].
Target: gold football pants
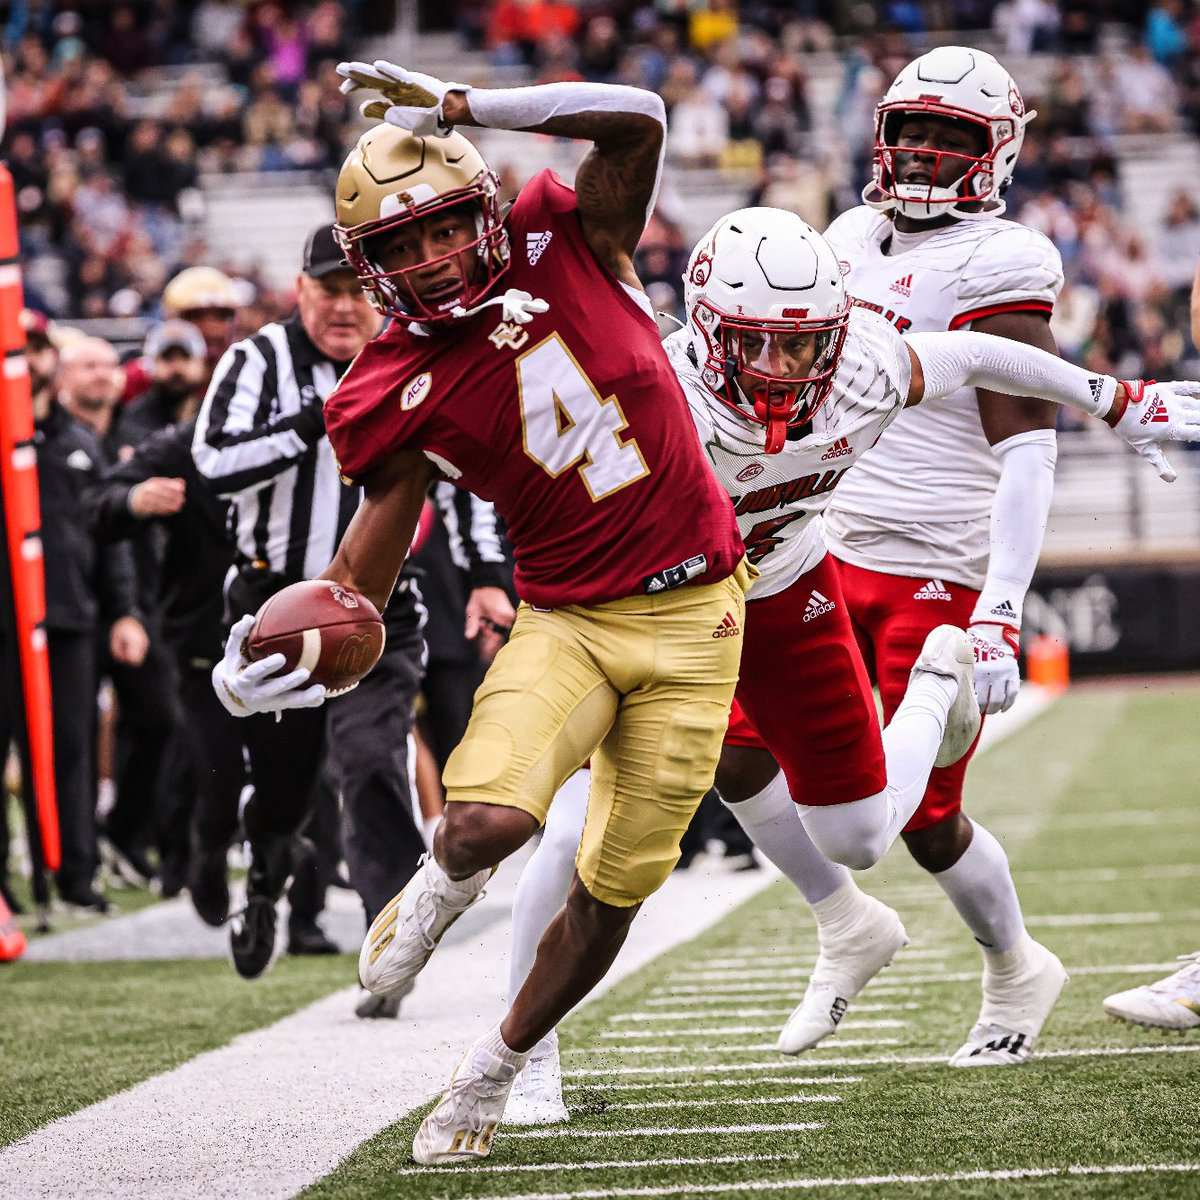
[[642, 686]]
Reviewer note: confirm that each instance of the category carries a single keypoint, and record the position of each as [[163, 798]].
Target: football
[[332, 630]]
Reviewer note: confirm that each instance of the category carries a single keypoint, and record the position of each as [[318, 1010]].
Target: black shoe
[[208, 883], [172, 875], [307, 937], [379, 1008], [82, 895], [252, 931], [252, 937]]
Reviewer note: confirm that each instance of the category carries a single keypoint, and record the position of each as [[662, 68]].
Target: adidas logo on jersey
[[817, 606], [728, 627], [535, 246], [839, 449], [935, 589], [902, 287]]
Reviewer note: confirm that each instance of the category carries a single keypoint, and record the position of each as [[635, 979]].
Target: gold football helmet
[[391, 178]]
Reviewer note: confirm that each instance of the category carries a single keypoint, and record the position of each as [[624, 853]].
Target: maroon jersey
[[574, 425]]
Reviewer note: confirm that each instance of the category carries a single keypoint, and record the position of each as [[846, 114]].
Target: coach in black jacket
[[88, 587]]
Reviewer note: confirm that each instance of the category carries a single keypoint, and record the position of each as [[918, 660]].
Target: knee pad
[[855, 834]]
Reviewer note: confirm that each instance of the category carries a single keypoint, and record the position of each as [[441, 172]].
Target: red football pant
[[804, 688], [891, 623]]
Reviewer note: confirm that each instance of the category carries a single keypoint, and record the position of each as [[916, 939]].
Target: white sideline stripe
[[605, 1165], [887, 1061], [749, 1048], [790, 1080], [810, 1184], [706, 1030], [718, 1101], [183, 1133], [663, 1131], [784, 1011]]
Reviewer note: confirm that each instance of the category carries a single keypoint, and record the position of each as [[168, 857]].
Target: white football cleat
[[465, 1121], [408, 929], [1171, 1003], [843, 968], [948, 652], [1015, 1007], [536, 1097]]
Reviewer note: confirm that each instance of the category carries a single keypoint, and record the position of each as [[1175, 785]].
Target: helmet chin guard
[[959, 84], [768, 313]]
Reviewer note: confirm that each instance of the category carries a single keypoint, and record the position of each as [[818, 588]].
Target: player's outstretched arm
[[1145, 415], [376, 542], [617, 182]]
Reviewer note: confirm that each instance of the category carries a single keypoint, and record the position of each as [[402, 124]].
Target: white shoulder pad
[[1012, 267], [850, 231], [688, 373]]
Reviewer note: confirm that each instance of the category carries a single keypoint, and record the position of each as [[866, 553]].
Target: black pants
[[73, 701], [449, 689], [366, 735], [146, 721]]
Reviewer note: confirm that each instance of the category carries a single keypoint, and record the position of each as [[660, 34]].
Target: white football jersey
[[776, 496], [920, 502]]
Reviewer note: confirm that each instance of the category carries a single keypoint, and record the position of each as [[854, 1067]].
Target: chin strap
[[517, 306]]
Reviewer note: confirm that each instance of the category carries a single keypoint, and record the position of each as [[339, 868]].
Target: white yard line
[[789, 1080], [885, 1061], [690, 1014], [318, 1083], [663, 1131], [739, 963], [748, 989], [708, 1030], [1084, 920], [677, 1048], [809, 1184], [721, 1101], [607, 1165], [973, 976]]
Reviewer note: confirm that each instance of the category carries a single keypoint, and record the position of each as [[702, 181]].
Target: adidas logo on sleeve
[[535, 246], [818, 605], [935, 589]]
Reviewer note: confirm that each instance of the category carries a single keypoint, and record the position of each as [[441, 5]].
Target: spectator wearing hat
[[176, 354], [208, 299]]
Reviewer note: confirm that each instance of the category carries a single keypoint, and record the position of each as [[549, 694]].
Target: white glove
[[1160, 412], [516, 306], [246, 687], [997, 679], [411, 99]]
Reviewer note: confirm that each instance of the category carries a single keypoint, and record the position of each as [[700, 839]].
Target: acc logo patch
[[415, 391], [750, 471]]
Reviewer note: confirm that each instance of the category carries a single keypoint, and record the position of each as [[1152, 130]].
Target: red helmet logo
[[701, 269], [1015, 102]]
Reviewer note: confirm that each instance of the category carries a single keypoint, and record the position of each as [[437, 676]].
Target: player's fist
[[997, 679], [246, 688], [1154, 413], [411, 99]]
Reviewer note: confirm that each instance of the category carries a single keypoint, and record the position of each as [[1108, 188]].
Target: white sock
[[980, 886], [546, 879], [838, 911], [772, 823], [494, 1057], [911, 742]]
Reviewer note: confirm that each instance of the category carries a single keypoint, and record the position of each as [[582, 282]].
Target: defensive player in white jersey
[[944, 519], [788, 386]]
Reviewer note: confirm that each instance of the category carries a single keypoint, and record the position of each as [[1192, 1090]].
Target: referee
[[260, 442]]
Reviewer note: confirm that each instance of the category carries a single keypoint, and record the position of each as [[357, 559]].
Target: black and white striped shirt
[[260, 442]]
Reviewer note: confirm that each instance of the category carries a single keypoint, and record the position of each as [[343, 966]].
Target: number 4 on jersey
[[564, 420]]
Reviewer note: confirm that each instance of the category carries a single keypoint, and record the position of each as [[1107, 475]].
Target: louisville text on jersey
[[778, 494], [902, 324]]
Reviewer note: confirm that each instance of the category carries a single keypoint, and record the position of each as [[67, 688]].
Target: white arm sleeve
[[951, 361], [1019, 513], [526, 107]]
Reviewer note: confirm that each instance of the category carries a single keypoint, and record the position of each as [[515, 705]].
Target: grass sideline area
[[1131, 761], [1095, 804]]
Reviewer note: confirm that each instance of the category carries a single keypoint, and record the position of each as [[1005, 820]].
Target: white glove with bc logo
[[246, 688], [411, 100]]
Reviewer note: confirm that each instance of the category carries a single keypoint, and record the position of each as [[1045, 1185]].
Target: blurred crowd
[[744, 84], [116, 109]]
